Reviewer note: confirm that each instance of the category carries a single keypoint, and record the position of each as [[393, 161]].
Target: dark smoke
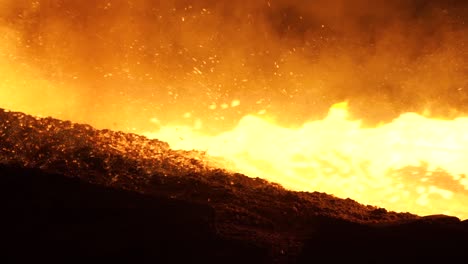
[[141, 59]]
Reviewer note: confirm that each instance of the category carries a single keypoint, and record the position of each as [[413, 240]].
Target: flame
[[413, 164], [250, 82]]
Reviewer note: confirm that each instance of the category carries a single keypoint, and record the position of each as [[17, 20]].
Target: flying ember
[[366, 100]]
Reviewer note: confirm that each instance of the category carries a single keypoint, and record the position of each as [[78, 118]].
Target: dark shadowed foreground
[[70, 193]]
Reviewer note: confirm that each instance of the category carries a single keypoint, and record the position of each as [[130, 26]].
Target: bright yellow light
[[413, 164]]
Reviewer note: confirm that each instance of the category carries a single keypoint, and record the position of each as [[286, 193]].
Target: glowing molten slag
[[412, 164]]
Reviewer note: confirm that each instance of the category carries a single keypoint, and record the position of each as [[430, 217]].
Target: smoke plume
[[119, 63]]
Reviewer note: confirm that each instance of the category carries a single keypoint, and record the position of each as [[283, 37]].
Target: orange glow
[[257, 84], [413, 164]]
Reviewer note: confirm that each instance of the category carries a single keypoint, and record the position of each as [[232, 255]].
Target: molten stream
[[413, 164]]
